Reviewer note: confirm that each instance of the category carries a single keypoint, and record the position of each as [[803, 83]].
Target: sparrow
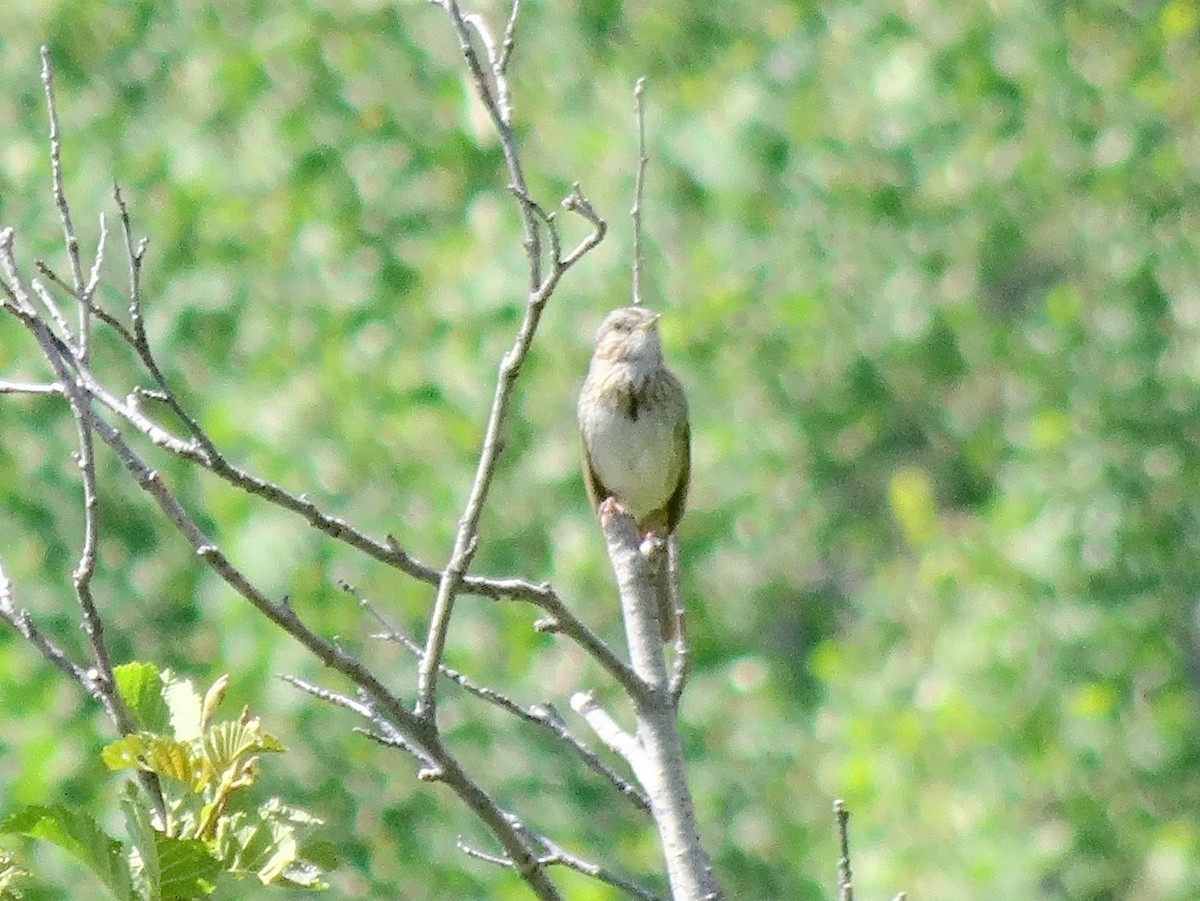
[[633, 425]]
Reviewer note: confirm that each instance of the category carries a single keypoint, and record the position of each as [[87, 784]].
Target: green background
[[931, 279]]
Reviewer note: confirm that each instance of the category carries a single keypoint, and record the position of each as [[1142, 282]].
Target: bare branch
[[389, 552], [681, 666], [845, 884], [96, 409], [36, 388], [62, 359], [416, 731], [412, 732], [52, 308], [495, 99], [607, 729], [475, 22], [15, 286], [64, 210], [497, 859], [638, 584], [510, 33], [337, 699], [543, 715], [659, 764], [93, 281], [20, 620], [136, 256], [560, 856], [561, 620], [554, 855], [639, 190]]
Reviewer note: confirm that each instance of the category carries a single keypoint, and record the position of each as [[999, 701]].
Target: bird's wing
[[678, 499], [595, 488]]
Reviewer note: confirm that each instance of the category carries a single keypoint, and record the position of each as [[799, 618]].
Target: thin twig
[[391, 740], [20, 620], [475, 22], [560, 856], [202, 449], [510, 34], [607, 729], [543, 715], [845, 885], [554, 855], [502, 121], [328, 695], [136, 256], [418, 731], [388, 552], [14, 287], [64, 360], [64, 211], [682, 664], [363, 708], [639, 189], [51, 307], [35, 388], [89, 290], [466, 539], [140, 343], [495, 99]]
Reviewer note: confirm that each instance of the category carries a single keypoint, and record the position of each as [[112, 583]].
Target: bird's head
[[629, 335]]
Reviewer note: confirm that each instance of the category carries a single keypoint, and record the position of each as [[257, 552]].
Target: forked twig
[[495, 98], [543, 715]]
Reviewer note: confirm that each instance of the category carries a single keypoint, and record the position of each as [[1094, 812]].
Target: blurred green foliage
[[931, 278]]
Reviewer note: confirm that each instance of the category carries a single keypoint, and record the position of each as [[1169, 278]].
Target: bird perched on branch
[[633, 419]]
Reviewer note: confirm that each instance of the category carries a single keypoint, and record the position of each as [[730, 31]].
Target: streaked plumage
[[633, 420]]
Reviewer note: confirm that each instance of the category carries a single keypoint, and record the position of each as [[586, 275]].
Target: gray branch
[[655, 751]]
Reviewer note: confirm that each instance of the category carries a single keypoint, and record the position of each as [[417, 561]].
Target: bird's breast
[[634, 458]]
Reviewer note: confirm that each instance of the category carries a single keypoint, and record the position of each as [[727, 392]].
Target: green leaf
[[226, 742], [141, 688], [188, 869], [185, 706], [77, 833], [158, 754], [143, 855], [167, 868], [10, 872], [271, 844]]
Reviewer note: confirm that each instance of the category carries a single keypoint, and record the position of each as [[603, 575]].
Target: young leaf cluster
[[211, 828]]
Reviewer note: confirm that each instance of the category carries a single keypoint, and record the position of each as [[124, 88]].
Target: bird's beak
[[649, 325]]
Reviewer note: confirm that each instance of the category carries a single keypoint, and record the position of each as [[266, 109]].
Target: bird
[[633, 425]]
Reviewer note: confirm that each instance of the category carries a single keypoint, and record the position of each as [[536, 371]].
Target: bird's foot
[[610, 507]]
